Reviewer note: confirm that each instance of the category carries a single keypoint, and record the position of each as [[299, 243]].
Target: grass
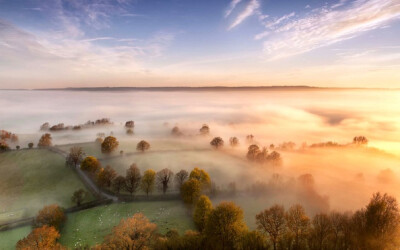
[[88, 227], [9, 238], [31, 179]]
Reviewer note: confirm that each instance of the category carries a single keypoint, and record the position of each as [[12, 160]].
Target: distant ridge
[[211, 88]]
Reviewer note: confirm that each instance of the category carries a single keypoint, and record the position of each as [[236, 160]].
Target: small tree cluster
[[254, 153]]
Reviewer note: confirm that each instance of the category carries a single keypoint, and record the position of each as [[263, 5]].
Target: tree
[[262, 155], [17, 147], [298, 224], [45, 141], [272, 221], [360, 140], [129, 131], [132, 179], [217, 142], [143, 146], [191, 191], [225, 226], [274, 159], [233, 141], [30, 145], [4, 146], [129, 124], [109, 144], [253, 240], [205, 130], [252, 152], [378, 224], [176, 131], [75, 156], [118, 184], [250, 138], [321, 228], [147, 183], [202, 176], [163, 178], [181, 177], [79, 196], [44, 237], [51, 215], [133, 233], [90, 164], [105, 176], [45, 126], [201, 211]]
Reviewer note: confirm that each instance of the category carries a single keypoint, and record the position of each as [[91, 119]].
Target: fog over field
[[342, 178]]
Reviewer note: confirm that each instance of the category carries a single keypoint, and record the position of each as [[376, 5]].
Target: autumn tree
[[297, 223], [109, 144], [105, 176], [191, 191], [217, 142], [118, 184], [4, 146], [75, 156], [45, 141], [51, 215], [225, 226], [233, 141], [181, 177], [132, 179], [44, 237], [202, 176], [79, 196], [320, 230], [204, 130], [272, 222], [201, 211], [90, 164], [133, 233], [147, 183], [163, 178], [143, 146], [378, 225]]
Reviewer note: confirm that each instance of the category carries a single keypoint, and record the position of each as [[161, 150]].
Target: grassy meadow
[[31, 179]]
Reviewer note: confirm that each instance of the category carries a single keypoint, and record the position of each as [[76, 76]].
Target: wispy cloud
[[231, 7], [250, 10], [326, 26]]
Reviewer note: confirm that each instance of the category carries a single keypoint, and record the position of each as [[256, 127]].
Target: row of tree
[[254, 153]]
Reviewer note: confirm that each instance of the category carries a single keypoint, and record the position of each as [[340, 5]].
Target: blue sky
[[60, 43]]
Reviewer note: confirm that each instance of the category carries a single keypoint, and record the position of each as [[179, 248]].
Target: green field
[[31, 179], [9, 238], [88, 227]]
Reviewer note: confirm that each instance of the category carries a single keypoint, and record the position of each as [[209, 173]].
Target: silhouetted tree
[[30, 145], [181, 177], [274, 159], [118, 184], [129, 124], [217, 142], [176, 131], [233, 141], [75, 156], [321, 229], [252, 152], [250, 139], [143, 146], [360, 140], [79, 196], [205, 130], [163, 179]]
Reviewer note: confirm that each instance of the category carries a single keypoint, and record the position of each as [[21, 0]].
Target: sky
[[90, 43]]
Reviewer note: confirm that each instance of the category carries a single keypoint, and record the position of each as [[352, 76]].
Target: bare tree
[[181, 177], [163, 178], [75, 156]]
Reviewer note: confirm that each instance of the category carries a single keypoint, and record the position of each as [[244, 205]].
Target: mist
[[321, 179]]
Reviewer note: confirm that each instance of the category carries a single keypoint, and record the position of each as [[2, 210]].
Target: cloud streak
[[325, 26], [250, 10]]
